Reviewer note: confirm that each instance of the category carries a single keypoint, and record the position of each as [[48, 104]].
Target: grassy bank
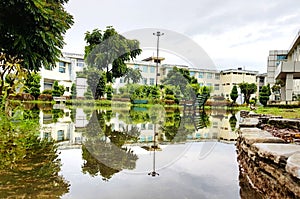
[[284, 112]]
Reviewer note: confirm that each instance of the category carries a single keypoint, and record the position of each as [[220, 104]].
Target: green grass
[[284, 112]]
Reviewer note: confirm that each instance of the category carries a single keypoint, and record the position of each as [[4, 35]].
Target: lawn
[[285, 113]]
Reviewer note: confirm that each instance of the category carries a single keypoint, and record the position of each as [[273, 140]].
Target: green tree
[[73, 91], [58, 90], [175, 78], [264, 95], [109, 91], [88, 94], [31, 35], [234, 93], [97, 82], [32, 84], [247, 89], [133, 74], [108, 51], [276, 87]]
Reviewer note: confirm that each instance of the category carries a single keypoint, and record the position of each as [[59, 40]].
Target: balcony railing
[[287, 67]]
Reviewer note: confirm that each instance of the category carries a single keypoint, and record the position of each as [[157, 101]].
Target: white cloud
[[232, 32]]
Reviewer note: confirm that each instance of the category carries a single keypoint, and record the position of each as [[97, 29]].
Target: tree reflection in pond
[[29, 166], [176, 127], [103, 150]]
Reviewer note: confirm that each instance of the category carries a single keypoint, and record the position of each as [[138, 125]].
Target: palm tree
[[133, 74]]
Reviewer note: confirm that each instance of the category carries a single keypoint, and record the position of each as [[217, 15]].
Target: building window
[[121, 80], [209, 84], [209, 76], [201, 74], [145, 81], [60, 135], [62, 67], [261, 80], [145, 69], [217, 76], [136, 67], [192, 73], [281, 57], [150, 126], [152, 69], [201, 83], [68, 89], [80, 63], [47, 135], [143, 126], [151, 81], [217, 87]]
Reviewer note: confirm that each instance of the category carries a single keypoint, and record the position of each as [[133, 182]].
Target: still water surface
[[129, 153], [191, 176], [191, 160]]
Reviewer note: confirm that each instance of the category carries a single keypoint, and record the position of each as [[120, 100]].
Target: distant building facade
[[64, 72], [285, 65], [233, 77]]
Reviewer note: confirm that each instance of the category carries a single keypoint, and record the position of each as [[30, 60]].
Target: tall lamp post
[[158, 34]]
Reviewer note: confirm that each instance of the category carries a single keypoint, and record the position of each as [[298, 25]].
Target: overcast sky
[[233, 33]]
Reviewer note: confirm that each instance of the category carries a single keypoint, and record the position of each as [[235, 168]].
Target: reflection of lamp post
[[158, 34], [153, 173]]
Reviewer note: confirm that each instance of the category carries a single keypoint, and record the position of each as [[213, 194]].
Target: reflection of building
[[60, 127], [219, 129], [146, 129]]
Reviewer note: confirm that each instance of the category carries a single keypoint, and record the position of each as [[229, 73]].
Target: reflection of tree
[[29, 166], [103, 149], [232, 121], [172, 124], [139, 116], [203, 120], [95, 167], [57, 113], [32, 114], [176, 127], [105, 158]]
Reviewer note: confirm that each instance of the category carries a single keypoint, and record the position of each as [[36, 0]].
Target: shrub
[[47, 91], [169, 97], [21, 97], [169, 102], [45, 97]]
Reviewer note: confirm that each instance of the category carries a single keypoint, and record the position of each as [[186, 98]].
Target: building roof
[[295, 43], [239, 70], [152, 58]]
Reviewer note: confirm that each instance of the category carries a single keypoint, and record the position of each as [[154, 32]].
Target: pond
[[136, 152]]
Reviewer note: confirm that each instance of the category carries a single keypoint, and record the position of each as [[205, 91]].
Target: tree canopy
[[133, 74], [234, 93], [32, 31], [108, 51], [247, 89], [264, 95], [31, 35]]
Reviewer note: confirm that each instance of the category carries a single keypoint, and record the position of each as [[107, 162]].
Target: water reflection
[[29, 166], [114, 138], [131, 141]]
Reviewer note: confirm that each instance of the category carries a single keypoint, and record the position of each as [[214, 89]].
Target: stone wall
[[269, 166]]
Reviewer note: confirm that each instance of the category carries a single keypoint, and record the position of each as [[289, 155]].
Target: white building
[[232, 77], [150, 76], [64, 72], [285, 65]]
